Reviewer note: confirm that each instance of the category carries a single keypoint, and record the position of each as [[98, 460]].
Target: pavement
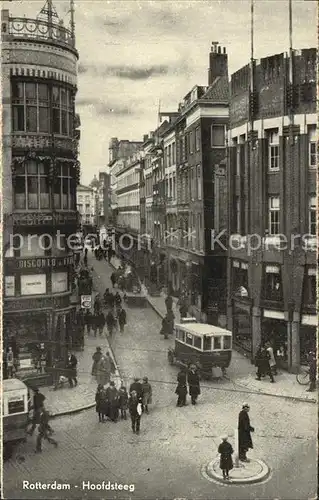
[[241, 373]]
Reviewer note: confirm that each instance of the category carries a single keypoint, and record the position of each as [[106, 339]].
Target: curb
[[209, 473]]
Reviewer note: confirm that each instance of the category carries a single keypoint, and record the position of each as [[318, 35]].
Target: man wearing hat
[[38, 402], [112, 401], [137, 387], [244, 430]]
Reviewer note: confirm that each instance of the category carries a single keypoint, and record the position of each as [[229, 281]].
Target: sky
[[135, 54]]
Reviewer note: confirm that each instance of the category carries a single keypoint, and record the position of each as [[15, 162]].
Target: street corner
[[254, 471]]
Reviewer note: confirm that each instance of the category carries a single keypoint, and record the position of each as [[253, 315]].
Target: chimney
[[218, 62]]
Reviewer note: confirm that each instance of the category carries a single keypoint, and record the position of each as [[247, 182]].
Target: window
[[273, 285], [174, 188], [193, 183], [273, 149], [207, 343], [31, 189], [64, 189], [197, 342], [238, 160], [237, 211], [312, 134], [217, 342], [185, 147], [239, 280], [16, 406], [62, 111], [199, 182], [218, 136], [274, 212], [189, 339], [191, 142], [310, 287], [173, 153], [312, 215], [227, 342], [197, 139], [170, 188]]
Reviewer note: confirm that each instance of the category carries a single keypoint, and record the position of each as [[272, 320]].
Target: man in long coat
[[112, 402], [244, 433], [181, 389], [193, 383], [103, 371]]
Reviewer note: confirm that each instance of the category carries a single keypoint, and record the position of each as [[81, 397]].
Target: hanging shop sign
[[33, 284], [86, 301], [59, 282]]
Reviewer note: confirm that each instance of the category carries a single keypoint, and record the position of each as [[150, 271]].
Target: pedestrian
[[106, 297], [109, 254], [137, 387], [113, 402], [10, 362], [37, 405], [94, 324], [71, 365], [193, 384], [312, 371], [244, 433], [263, 366], [122, 319], [100, 319], [85, 260], [226, 462], [113, 279], [272, 361], [45, 430], [181, 389], [146, 394], [118, 299], [135, 409], [97, 304], [169, 303], [123, 400], [103, 371], [88, 321], [99, 402], [110, 323], [280, 356], [96, 358]]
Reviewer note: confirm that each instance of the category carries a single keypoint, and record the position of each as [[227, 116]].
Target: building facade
[[40, 174], [86, 205], [272, 195]]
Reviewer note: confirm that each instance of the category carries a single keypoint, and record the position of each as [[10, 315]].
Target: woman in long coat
[[193, 383], [244, 437], [181, 389], [96, 358], [103, 371]]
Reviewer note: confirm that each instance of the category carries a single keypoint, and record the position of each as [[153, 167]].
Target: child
[[147, 394], [123, 399], [226, 462]]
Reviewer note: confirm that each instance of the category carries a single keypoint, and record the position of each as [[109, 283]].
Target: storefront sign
[[39, 219], [86, 301], [59, 282], [28, 305], [33, 284], [309, 319], [9, 286], [274, 314], [43, 262]]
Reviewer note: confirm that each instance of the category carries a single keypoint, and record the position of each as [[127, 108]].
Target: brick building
[[272, 192], [40, 174]]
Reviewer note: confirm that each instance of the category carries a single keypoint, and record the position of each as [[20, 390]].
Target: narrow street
[[165, 460]]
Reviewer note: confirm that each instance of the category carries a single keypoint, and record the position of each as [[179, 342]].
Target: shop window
[[32, 190], [242, 329], [240, 281], [218, 136], [273, 284], [273, 215], [312, 215], [312, 134]]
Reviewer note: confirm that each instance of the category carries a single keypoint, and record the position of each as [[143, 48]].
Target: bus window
[[207, 343], [217, 342], [189, 339], [197, 342], [227, 342]]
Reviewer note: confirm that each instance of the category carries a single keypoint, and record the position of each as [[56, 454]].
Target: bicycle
[[303, 377]]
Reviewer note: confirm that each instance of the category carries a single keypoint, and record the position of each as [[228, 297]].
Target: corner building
[[272, 194], [40, 174]]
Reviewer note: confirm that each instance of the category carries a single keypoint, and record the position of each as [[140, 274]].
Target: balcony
[[42, 31]]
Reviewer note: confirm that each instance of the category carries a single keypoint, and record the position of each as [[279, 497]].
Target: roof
[[218, 90], [86, 188], [13, 384], [203, 329]]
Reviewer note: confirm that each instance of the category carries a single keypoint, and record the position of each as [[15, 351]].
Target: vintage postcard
[[159, 249]]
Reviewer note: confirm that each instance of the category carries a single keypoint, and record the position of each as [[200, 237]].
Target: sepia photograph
[[159, 230]]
